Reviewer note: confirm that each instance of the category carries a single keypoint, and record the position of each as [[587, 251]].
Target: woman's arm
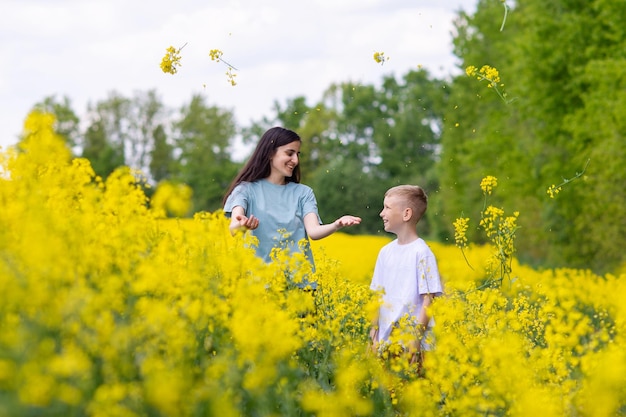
[[319, 231], [239, 221]]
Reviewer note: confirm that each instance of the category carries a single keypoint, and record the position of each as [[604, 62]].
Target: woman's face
[[284, 161]]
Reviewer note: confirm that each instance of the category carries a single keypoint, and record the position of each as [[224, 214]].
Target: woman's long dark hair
[[258, 166]]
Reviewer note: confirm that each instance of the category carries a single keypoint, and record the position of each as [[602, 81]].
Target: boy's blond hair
[[415, 197]]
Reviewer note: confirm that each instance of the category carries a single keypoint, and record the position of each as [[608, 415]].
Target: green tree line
[[561, 115]]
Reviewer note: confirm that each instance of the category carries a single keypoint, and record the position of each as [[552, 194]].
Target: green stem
[[578, 175], [466, 261], [506, 12]]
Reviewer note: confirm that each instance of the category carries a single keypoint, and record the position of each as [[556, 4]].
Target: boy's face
[[394, 213]]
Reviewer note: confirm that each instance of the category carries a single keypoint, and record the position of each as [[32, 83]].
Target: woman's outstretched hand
[[345, 221], [316, 231]]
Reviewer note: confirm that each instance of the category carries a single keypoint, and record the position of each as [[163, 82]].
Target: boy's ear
[[407, 214]]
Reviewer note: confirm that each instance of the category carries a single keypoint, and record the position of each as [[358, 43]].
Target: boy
[[406, 273]]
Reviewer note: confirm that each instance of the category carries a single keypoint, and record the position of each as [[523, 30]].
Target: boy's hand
[[415, 348], [374, 338]]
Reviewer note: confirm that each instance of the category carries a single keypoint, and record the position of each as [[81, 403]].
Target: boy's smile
[[392, 213]]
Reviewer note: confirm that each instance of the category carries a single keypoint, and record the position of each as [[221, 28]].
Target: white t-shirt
[[404, 272]]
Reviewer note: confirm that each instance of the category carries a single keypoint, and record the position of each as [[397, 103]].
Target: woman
[[267, 198]]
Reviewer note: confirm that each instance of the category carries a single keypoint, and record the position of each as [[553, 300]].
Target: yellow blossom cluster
[[488, 183], [172, 199], [216, 55], [491, 75], [461, 225], [553, 190], [380, 57], [486, 72], [109, 308], [171, 60]]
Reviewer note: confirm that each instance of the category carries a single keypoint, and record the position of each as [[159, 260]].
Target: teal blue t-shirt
[[280, 210]]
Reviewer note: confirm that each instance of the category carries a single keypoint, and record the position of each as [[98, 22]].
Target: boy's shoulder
[[389, 245], [418, 247], [394, 246]]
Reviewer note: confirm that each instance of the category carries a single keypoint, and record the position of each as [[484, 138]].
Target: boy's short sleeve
[[429, 281]]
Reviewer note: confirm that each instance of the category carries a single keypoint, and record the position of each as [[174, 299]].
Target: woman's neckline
[[273, 183]]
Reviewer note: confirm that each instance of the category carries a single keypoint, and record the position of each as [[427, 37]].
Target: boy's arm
[[374, 331], [423, 318], [422, 322]]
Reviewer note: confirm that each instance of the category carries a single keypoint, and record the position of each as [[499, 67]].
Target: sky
[[282, 49]]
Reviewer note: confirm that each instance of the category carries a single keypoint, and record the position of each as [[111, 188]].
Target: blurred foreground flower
[[172, 199]]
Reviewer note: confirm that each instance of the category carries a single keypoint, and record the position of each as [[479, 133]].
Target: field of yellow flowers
[[107, 308]]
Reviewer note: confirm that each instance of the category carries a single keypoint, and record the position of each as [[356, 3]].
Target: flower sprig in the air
[[216, 55], [553, 190], [491, 75], [500, 231], [461, 225], [171, 60], [380, 57], [506, 12]]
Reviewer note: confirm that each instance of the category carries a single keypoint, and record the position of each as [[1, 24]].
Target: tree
[[342, 187], [103, 155], [162, 162], [204, 136], [147, 119], [314, 126], [549, 57], [67, 123], [122, 131], [382, 137]]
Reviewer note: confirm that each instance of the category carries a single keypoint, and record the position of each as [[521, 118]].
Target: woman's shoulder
[[301, 188], [244, 185]]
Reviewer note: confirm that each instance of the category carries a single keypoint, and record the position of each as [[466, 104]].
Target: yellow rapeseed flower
[[380, 58], [108, 309], [491, 75], [460, 227], [171, 61], [553, 190], [216, 55], [488, 183]]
